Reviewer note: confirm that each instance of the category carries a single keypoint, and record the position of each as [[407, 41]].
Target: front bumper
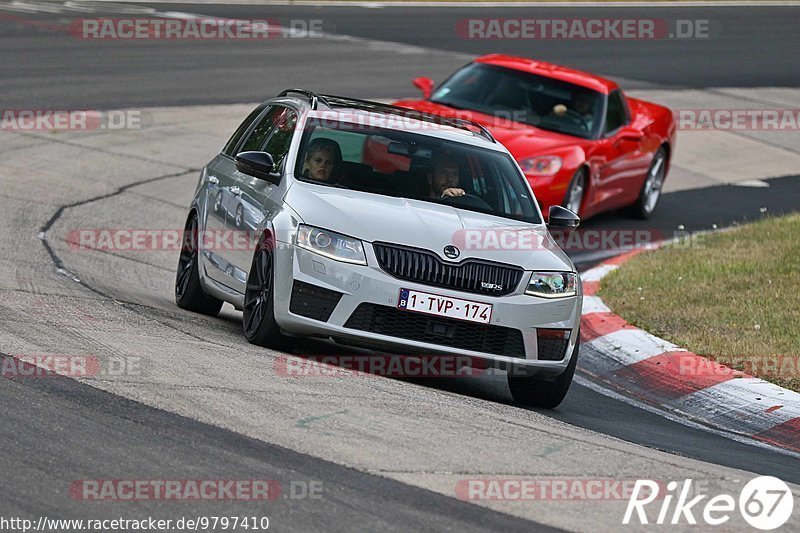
[[371, 285]]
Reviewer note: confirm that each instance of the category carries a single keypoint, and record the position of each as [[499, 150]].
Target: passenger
[[443, 179], [323, 159]]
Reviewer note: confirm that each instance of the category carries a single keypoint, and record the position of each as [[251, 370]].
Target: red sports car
[[579, 140]]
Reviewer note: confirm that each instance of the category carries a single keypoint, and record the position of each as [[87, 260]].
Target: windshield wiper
[[325, 183]]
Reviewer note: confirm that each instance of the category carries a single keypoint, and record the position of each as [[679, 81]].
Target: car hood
[[420, 224], [522, 140]]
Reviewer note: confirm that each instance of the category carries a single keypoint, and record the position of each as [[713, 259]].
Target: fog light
[[552, 343]]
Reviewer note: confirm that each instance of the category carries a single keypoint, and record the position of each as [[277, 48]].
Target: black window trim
[[264, 108], [253, 126], [292, 109], [267, 106]]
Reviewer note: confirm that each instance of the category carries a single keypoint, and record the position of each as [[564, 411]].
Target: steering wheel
[[571, 113], [468, 200]]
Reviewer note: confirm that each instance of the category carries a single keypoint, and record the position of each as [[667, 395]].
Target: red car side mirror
[[425, 85], [630, 133]]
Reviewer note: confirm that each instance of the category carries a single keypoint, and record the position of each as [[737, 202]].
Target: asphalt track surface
[[90, 434], [81, 432], [46, 67]]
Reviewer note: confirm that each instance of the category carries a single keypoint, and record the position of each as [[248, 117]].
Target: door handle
[[236, 191], [213, 179]]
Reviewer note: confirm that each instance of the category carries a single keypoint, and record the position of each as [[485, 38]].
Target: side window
[[617, 113], [234, 140], [258, 135], [278, 144]]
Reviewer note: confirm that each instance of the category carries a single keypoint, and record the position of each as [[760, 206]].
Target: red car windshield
[[522, 97]]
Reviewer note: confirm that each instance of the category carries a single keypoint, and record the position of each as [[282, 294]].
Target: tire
[[239, 217], [258, 313], [533, 392], [189, 293], [646, 203], [576, 192]]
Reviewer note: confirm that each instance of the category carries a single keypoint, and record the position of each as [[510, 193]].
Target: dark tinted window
[[281, 138], [617, 113], [514, 96], [234, 140], [258, 136], [417, 167]]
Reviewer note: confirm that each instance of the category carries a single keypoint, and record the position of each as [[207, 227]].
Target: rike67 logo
[[765, 503]]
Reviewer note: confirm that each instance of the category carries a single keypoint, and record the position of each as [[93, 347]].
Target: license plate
[[433, 304]]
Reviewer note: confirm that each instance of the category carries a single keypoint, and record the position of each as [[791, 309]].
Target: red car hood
[[522, 140]]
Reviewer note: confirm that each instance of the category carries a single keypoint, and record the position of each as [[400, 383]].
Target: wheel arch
[[588, 186], [668, 149]]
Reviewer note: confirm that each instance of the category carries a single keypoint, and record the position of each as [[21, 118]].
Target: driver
[[443, 178], [581, 105]]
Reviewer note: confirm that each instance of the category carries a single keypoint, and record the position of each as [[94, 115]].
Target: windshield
[[402, 164], [536, 100]]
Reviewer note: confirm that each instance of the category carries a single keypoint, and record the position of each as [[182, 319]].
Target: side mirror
[[259, 165], [562, 218], [425, 85], [630, 133]]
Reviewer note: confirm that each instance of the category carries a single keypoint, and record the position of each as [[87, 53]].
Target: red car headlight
[[545, 165]]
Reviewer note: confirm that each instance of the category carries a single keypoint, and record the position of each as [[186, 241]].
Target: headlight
[[330, 244], [545, 165], [553, 284]]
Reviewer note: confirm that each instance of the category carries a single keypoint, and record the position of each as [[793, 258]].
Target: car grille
[[485, 338], [312, 301], [422, 266]]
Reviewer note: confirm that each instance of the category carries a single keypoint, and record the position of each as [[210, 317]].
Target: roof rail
[[313, 97], [368, 105], [483, 131]]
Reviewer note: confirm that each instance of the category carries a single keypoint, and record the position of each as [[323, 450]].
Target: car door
[[621, 156], [217, 202], [261, 198], [247, 200]]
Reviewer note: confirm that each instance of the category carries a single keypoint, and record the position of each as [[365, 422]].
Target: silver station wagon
[[449, 255]]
